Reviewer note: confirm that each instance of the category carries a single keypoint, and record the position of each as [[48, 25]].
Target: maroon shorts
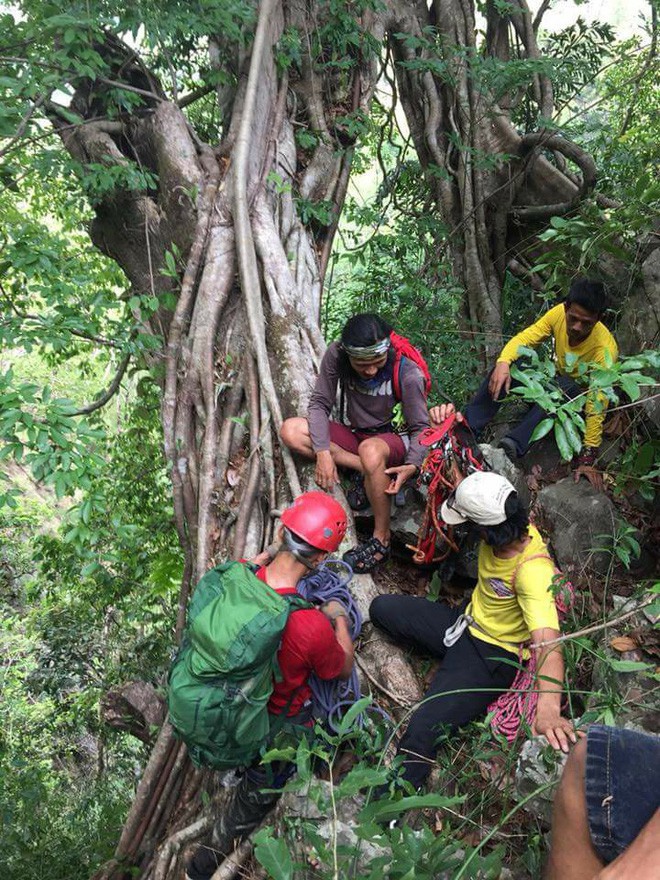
[[350, 440]]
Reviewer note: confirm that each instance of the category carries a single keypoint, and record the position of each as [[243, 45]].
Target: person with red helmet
[[315, 640]]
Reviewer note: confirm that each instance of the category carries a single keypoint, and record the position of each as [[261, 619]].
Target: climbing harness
[[450, 444], [332, 698]]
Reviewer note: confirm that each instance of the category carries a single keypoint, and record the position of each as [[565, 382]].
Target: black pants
[[250, 801], [471, 665], [482, 409]]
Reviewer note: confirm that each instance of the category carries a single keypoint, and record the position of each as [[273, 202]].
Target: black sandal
[[365, 557], [356, 495]]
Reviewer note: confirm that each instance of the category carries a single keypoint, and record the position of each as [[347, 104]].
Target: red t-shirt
[[308, 645]]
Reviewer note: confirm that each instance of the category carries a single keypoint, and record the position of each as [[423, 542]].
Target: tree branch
[[111, 390], [195, 95], [543, 8], [20, 131], [572, 152]]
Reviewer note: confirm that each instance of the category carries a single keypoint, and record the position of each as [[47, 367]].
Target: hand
[[262, 558], [589, 471], [333, 609], [557, 730], [325, 475], [500, 379], [402, 473], [437, 414]]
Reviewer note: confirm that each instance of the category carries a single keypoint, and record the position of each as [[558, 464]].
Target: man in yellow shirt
[[576, 329], [511, 606]]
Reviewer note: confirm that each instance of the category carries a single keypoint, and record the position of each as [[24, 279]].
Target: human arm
[[639, 861], [318, 417], [550, 671], [415, 411], [532, 335], [325, 473], [338, 617]]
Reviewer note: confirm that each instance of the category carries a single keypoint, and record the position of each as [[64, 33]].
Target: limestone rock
[[636, 693], [340, 830], [581, 522], [639, 326], [537, 775], [500, 462]]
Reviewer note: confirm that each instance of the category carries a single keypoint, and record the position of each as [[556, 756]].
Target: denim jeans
[[622, 782], [482, 409]]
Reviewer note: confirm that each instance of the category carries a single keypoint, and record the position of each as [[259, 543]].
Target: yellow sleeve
[[534, 594], [530, 336]]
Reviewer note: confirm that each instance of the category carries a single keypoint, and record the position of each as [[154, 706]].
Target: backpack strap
[[396, 375], [297, 602], [529, 559]]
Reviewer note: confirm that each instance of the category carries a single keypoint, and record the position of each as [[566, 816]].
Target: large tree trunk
[[243, 339], [222, 233]]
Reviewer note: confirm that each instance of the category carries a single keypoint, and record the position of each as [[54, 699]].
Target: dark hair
[[589, 294], [364, 329], [514, 526]]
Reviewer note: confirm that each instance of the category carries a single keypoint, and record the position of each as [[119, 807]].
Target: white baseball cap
[[480, 498]]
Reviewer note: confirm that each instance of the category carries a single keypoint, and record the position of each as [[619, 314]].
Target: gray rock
[[581, 522], [635, 693], [639, 324], [537, 774], [500, 462], [362, 852], [313, 803]]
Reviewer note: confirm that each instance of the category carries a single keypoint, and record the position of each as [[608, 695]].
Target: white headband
[[367, 352]]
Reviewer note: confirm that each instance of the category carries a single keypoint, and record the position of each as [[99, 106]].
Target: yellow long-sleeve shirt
[[591, 351]]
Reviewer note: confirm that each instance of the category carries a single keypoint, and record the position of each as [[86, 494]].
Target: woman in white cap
[[512, 606]]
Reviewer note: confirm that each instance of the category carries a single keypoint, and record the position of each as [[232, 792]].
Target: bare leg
[[374, 454], [295, 434], [572, 856]]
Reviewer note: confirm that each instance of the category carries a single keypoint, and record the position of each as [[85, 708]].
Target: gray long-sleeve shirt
[[368, 408]]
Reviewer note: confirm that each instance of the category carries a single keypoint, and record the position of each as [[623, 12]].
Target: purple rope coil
[[332, 698]]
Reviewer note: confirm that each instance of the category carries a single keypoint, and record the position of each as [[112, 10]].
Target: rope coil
[[329, 582]]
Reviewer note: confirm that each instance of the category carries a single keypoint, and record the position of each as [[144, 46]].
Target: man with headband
[[361, 364]]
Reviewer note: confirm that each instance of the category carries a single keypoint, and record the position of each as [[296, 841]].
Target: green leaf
[[562, 442], [542, 429], [574, 439], [391, 809], [273, 855], [629, 665], [630, 387], [349, 718], [361, 777]]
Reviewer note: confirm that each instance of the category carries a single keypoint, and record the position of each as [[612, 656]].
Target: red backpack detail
[[403, 348]]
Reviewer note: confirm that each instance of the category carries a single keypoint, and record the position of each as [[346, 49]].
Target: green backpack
[[223, 674]]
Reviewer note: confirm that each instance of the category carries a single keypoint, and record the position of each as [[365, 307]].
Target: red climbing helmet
[[318, 519]]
